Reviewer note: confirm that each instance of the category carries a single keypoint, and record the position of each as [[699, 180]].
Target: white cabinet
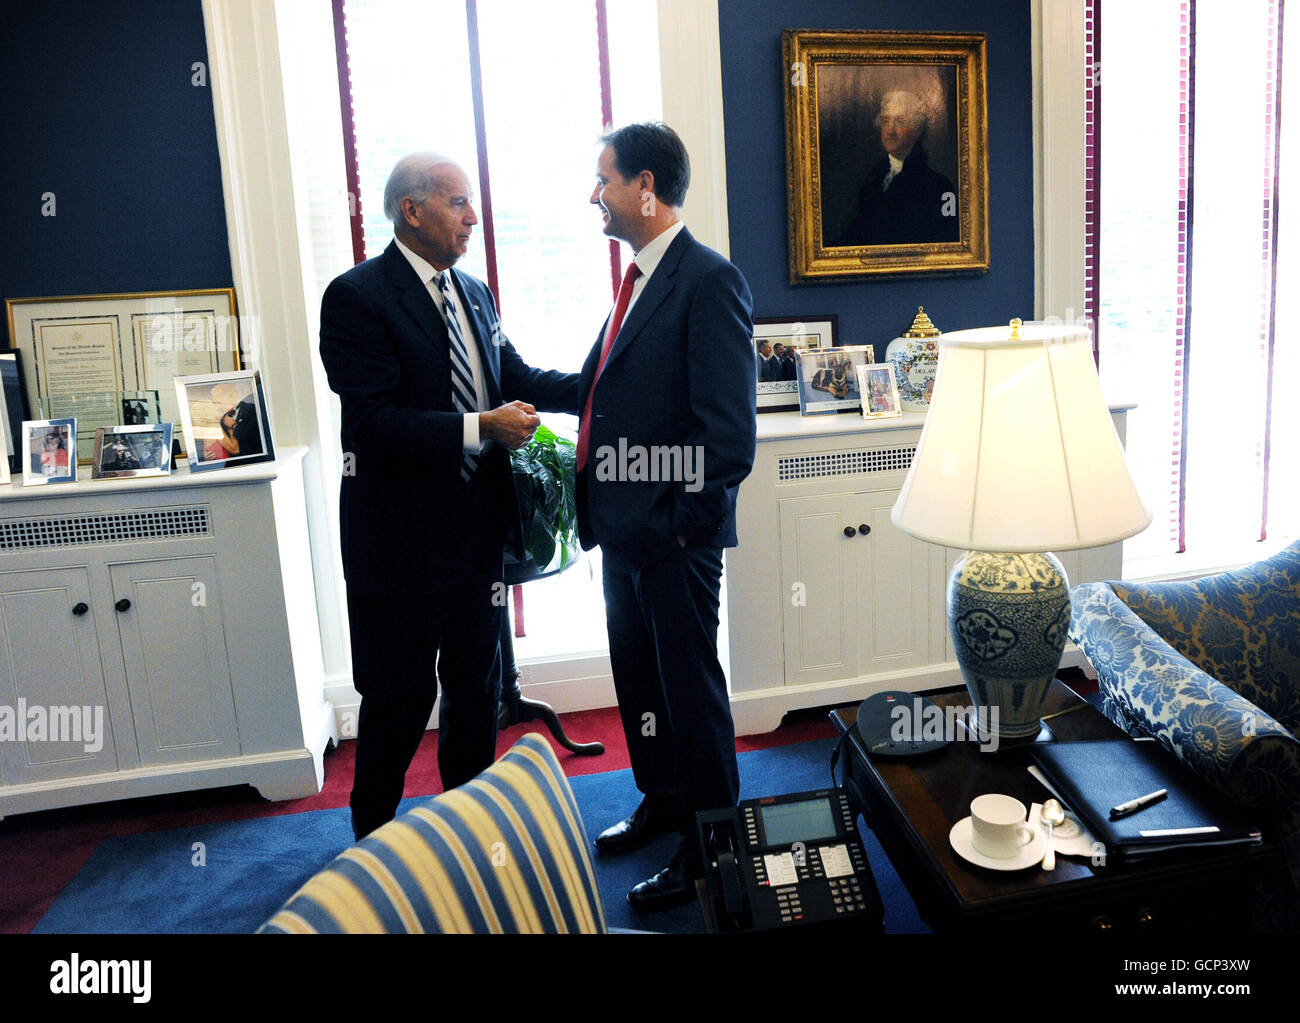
[[827, 602], [164, 632]]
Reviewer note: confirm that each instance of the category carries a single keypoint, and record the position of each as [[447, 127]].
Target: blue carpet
[[231, 877]]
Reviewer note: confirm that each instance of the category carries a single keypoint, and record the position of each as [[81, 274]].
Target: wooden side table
[[911, 803]]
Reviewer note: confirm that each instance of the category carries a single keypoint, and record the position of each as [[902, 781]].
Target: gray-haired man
[[432, 396]]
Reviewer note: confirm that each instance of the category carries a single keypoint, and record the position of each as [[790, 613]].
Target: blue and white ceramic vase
[[915, 356], [1008, 615]]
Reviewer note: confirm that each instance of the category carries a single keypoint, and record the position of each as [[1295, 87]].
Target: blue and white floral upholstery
[[1210, 668], [504, 853]]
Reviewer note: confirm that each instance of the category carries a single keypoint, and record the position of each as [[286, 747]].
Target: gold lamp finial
[[1016, 324], [921, 325]]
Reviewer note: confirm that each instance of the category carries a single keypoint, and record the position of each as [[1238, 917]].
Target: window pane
[[1230, 296], [1284, 480], [399, 107], [552, 257], [1138, 272]]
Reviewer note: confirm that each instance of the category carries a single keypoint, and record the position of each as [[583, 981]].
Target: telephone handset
[[787, 861]]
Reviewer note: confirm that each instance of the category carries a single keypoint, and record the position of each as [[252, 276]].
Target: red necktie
[[615, 322]]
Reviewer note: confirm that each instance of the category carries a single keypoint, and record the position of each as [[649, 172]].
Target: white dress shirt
[[647, 260], [429, 275]]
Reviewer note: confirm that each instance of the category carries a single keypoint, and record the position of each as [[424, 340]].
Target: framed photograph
[[224, 419], [782, 339], [49, 451], [14, 409], [828, 380], [95, 344], [124, 452], [879, 389], [886, 141]]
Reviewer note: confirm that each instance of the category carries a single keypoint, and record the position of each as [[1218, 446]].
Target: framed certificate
[[95, 344]]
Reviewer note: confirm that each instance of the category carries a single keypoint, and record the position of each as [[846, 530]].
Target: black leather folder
[[1092, 777]]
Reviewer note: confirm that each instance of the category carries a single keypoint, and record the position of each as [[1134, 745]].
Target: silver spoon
[[1052, 814]]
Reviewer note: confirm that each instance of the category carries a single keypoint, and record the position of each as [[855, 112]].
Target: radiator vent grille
[[121, 527], [843, 463]]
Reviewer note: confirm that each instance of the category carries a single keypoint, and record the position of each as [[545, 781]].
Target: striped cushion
[[503, 854]]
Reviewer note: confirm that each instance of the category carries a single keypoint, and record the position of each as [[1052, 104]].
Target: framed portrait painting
[[886, 153]]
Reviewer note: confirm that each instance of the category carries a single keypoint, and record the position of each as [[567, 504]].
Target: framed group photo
[[224, 419], [49, 451], [828, 380], [125, 452], [886, 153], [778, 342]]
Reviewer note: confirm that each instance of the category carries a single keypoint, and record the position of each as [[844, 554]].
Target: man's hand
[[512, 425]]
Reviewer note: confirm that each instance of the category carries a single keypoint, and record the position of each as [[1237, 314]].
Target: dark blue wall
[[876, 311], [96, 106]]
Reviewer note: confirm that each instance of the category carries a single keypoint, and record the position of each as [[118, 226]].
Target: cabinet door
[[893, 626], [174, 647], [54, 719], [819, 586]]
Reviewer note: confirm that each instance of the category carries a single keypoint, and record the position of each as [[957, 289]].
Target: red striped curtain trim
[[351, 169], [1183, 307], [607, 124], [1091, 166], [1272, 184], [480, 135]]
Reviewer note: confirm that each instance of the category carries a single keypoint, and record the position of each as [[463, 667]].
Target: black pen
[[1134, 805]]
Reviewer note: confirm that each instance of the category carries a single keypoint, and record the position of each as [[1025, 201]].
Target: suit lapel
[[415, 297], [657, 288]]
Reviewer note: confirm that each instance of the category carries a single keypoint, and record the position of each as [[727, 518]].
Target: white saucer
[[1030, 855]]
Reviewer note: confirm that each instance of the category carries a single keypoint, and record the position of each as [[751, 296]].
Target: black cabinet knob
[[850, 532], [123, 605], [80, 609], [864, 529]]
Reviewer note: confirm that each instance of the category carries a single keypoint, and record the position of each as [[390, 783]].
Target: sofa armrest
[[1225, 739]]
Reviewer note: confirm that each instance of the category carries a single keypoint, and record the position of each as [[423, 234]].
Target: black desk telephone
[[788, 861]]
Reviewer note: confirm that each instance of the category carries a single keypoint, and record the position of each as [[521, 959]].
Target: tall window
[[1195, 238], [518, 95]]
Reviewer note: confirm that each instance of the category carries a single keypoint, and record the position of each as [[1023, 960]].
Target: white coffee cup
[[998, 826]]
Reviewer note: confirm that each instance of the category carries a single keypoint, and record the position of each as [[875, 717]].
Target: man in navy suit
[[433, 396], [666, 436]]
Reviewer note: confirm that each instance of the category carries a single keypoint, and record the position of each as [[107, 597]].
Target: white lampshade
[[1019, 452]]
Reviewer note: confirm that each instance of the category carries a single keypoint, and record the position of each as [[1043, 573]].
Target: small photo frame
[[777, 344], [879, 389], [49, 451], [828, 380], [14, 410], [125, 452], [224, 419]]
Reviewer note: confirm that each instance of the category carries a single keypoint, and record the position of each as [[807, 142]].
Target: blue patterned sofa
[[503, 854], [1210, 668]]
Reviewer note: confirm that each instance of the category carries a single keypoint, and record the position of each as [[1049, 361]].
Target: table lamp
[[1018, 457]]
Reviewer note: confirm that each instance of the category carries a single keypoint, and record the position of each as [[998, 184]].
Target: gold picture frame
[[870, 113]]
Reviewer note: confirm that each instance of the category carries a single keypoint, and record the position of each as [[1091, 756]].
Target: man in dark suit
[[768, 368], [903, 201], [414, 350], [671, 380]]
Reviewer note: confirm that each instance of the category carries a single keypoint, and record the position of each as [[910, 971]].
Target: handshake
[[511, 425]]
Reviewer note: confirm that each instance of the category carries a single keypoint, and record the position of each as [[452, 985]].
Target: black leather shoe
[[672, 886], [650, 819]]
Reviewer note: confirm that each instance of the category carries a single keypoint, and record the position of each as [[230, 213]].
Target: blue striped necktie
[[463, 393]]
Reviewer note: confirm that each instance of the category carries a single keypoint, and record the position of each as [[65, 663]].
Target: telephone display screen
[[805, 821]]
